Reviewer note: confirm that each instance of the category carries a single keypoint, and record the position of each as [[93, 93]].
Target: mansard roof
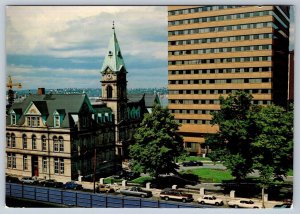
[[47, 104], [113, 58], [150, 99]]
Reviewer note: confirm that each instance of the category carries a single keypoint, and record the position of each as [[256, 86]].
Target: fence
[[85, 199]]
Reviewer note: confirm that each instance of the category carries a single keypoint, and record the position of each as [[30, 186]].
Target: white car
[[28, 180], [244, 203], [209, 199]]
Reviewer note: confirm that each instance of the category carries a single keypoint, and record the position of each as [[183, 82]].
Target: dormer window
[[56, 119], [33, 121], [13, 119], [34, 113], [14, 116], [110, 53]]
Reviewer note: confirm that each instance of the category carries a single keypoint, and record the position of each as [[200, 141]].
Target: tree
[[157, 144], [273, 144], [232, 143], [253, 137]]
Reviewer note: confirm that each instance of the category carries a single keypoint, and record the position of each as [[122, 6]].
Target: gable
[[32, 110]]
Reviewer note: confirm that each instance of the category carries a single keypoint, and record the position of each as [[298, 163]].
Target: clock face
[[109, 76]]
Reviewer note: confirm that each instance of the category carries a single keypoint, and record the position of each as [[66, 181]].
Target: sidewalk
[[225, 198]]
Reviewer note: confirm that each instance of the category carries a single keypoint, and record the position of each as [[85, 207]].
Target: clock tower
[[114, 87]]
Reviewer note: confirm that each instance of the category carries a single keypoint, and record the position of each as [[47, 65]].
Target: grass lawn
[[111, 180], [212, 175], [142, 180]]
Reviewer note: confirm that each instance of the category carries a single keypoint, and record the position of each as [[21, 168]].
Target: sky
[[64, 46]]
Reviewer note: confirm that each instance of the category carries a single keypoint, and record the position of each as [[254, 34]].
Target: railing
[[85, 199]]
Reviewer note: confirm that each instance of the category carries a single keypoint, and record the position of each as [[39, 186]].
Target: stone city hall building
[[61, 136], [216, 50]]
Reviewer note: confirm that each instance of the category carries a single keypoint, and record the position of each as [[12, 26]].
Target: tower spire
[[113, 59]]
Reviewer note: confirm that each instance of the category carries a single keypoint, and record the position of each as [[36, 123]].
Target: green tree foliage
[[273, 144], [232, 144], [157, 144], [253, 137]]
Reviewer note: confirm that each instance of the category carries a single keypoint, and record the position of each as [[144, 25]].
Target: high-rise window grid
[[220, 18], [222, 28], [220, 39], [221, 70]]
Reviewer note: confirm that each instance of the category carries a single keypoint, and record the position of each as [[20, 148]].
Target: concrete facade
[[216, 50]]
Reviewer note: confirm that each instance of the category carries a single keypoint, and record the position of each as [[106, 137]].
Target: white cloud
[[47, 29], [77, 32]]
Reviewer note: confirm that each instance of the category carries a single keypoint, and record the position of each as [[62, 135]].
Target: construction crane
[[10, 92]]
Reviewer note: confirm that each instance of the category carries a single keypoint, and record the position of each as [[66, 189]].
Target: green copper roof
[[113, 58]]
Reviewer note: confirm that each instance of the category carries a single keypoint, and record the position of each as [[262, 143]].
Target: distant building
[[150, 99], [217, 50]]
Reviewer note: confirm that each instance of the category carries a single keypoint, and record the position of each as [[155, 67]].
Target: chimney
[[41, 91]]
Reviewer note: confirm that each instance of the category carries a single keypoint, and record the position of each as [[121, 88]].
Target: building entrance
[[35, 166]]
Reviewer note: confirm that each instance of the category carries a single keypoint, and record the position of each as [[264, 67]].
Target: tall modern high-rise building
[[216, 50]]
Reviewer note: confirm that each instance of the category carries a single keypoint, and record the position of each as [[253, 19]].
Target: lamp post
[[94, 175]]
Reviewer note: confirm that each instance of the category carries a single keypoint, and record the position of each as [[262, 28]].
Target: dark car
[[127, 175], [12, 179], [72, 185], [175, 194], [192, 163], [51, 183], [285, 205]]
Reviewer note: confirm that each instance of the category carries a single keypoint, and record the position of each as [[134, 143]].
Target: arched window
[[8, 140], [13, 140], [109, 91], [33, 142], [24, 141], [44, 143]]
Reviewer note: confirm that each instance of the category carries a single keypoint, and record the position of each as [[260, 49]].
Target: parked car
[[284, 205], [192, 163], [12, 179], [210, 199], [28, 180], [175, 194], [136, 191], [51, 183], [104, 188], [72, 185], [244, 203]]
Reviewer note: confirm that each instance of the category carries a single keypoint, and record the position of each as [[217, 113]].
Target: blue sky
[[64, 46]]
